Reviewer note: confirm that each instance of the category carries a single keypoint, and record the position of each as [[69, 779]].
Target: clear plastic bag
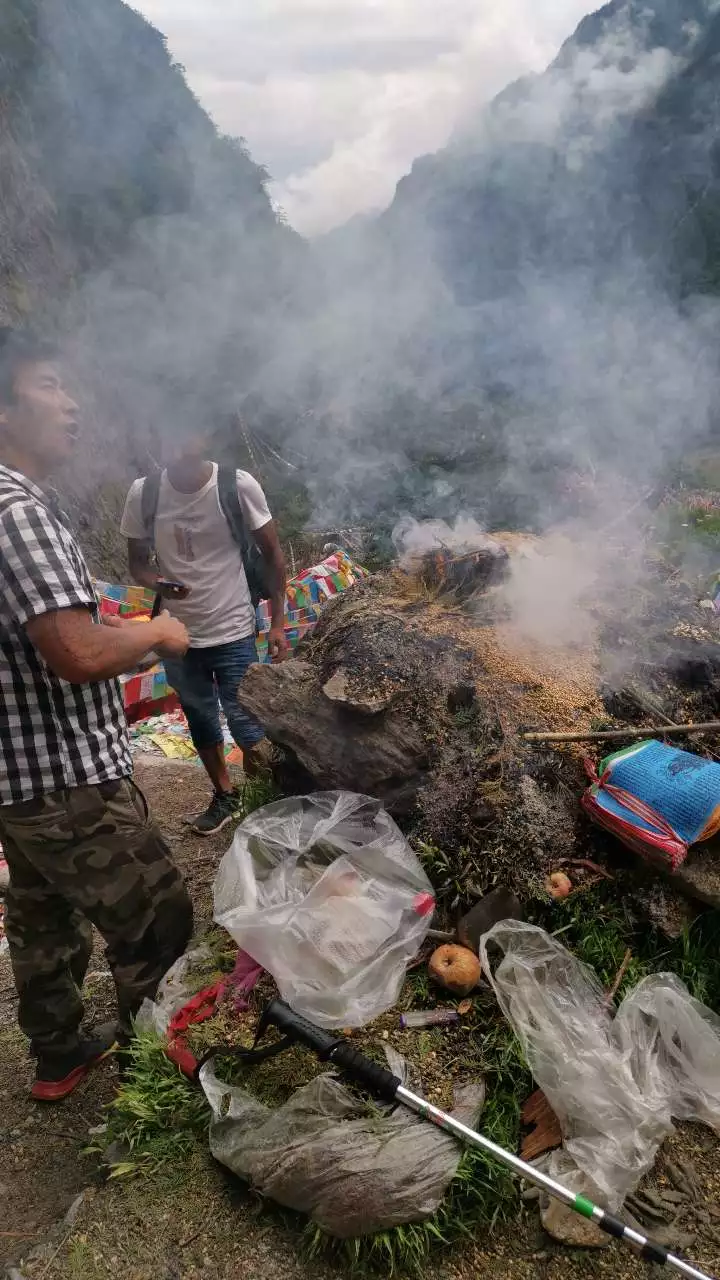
[[353, 1168], [672, 1043], [326, 894], [173, 992], [615, 1084]]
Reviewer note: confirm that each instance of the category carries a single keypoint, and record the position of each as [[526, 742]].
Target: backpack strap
[[149, 498], [231, 508], [253, 563]]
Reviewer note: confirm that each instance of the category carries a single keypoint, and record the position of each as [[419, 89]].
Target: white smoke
[[414, 539]]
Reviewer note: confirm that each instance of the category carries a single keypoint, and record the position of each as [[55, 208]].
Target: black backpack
[[254, 564]]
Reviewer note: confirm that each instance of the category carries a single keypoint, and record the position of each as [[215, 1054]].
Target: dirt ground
[[199, 1222]]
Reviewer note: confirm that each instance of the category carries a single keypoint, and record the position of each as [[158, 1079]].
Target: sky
[[338, 97]]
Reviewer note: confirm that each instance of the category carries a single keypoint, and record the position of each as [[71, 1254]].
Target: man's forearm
[[269, 545], [119, 650], [79, 651], [144, 573], [278, 588], [140, 563]]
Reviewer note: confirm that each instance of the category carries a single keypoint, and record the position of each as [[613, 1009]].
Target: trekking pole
[[339, 1051]]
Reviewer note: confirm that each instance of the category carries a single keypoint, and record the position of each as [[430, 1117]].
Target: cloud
[[338, 97]]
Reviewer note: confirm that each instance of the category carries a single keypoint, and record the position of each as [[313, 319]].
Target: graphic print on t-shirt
[[184, 542]]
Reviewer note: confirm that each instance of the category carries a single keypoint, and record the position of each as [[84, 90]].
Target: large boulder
[[398, 697]]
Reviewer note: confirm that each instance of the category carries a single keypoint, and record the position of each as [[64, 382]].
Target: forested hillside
[[100, 131]]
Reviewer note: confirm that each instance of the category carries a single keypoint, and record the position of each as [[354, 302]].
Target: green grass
[[695, 958], [598, 928], [257, 792], [223, 951], [80, 1262], [158, 1116], [448, 872]]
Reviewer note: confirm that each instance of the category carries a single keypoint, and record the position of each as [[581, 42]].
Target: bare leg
[[214, 760]]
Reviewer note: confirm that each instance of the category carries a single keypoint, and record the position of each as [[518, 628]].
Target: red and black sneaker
[[57, 1075]]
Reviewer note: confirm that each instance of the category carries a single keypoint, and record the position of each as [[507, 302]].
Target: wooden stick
[[618, 980], [648, 706], [620, 735]]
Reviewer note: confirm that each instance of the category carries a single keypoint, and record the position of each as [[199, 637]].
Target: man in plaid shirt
[[76, 832]]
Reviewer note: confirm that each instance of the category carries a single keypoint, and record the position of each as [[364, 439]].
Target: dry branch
[[621, 735]]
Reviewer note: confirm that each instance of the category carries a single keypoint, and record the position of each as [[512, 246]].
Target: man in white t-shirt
[[201, 574]]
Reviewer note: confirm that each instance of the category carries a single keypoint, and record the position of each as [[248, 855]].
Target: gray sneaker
[[222, 809]]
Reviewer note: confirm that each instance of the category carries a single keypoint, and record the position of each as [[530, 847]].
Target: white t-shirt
[[194, 545]]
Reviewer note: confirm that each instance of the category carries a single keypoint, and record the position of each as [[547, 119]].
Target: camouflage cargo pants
[[91, 854]]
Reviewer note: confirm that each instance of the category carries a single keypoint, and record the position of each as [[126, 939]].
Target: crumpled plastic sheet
[[615, 1084], [353, 1169], [326, 894], [172, 994]]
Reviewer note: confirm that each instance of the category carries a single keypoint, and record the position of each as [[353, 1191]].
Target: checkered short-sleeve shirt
[[53, 735]]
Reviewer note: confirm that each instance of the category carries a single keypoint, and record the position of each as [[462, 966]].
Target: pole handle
[[293, 1025], [330, 1048], [374, 1077]]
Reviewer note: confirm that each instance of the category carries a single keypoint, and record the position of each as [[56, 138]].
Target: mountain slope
[[527, 308], [591, 162], [532, 323]]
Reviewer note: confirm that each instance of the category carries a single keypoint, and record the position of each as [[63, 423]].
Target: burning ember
[[463, 575]]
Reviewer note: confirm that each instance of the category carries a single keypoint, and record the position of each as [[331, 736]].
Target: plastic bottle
[[428, 1018]]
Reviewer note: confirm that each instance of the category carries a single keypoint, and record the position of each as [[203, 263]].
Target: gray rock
[[342, 750], [567, 1227], [500, 904], [699, 875], [370, 703]]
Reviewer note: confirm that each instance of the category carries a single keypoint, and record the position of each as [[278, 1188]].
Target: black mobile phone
[[165, 585]]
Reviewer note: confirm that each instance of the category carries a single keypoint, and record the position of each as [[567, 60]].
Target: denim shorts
[[206, 677]]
